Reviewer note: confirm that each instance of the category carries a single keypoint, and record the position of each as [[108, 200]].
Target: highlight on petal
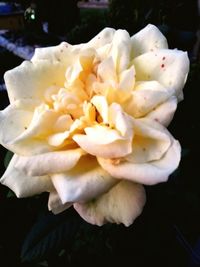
[[121, 204], [55, 204], [149, 173], [84, 182], [168, 67], [49, 163], [23, 185], [148, 39]]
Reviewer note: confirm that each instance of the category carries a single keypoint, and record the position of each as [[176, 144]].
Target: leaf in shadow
[[49, 235]]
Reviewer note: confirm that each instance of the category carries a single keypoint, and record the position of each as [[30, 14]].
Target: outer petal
[[164, 113], [55, 204], [146, 97], [48, 163], [150, 143], [84, 182], [31, 79], [22, 184], [122, 204], [148, 39], [169, 67], [146, 173], [103, 38]]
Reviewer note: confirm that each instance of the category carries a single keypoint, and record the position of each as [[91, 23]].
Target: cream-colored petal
[[22, 184], [120, 50], [121, 121], [48, 163], [106, 70], [164, 113], [146, 173], [146, 96], [150, 142], [55, 204], [31, 79], [122, 204], [103, 38], [33, 139], [13, 122], [59, 53], [84, 182], [126, 83], [102, 135], [119, 148], [101, 105], [148, 39], [168, 67]]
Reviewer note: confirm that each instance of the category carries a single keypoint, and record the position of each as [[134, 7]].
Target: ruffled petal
[[22, 184], [146, 173], [146, 97], [116, 149], [168, 67], [84, 182], [49, 163], [55, 204], [150, 143], [164, 113], [122, 204], [148, 39]]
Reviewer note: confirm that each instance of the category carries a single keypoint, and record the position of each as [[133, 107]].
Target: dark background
[[168, 231]]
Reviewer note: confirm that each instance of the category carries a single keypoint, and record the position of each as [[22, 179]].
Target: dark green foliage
[[49, 235]]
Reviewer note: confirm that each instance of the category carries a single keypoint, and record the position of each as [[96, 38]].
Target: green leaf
[[7, 158], [49, 235]]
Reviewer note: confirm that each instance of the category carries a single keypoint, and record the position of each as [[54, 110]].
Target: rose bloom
[[87, 123]]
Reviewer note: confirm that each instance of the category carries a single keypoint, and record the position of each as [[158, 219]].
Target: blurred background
[[168, 231]]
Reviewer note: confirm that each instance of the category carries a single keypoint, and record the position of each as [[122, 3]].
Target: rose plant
[[87, 123]]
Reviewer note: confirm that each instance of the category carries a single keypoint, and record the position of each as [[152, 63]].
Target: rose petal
[[120, 50], [116, 149], [122, 204], [48, 163], [31, 79], [148, 39], [22, 184], [168, 67], [146, 173], [101, 105], [59, 53], [84, 182], [106, 70], [55, 204], [150, 142], [164, 113], [101, 39], [146, 97]]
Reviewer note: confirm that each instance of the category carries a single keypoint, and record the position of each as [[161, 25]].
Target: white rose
[[87, 123]]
